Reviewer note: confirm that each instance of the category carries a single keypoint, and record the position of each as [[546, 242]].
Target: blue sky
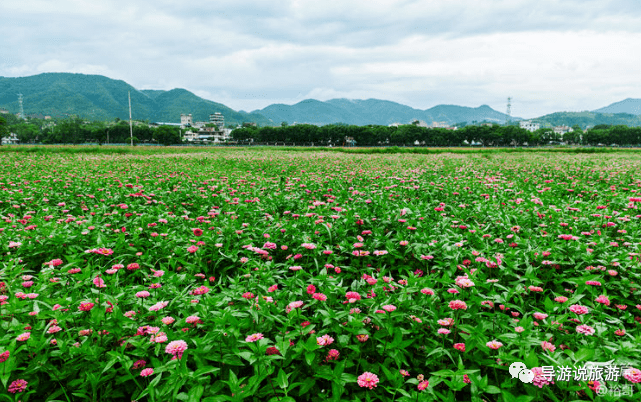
[[547, 55]]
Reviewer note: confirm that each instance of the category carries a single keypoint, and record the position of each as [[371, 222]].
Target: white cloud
[[547, 55]]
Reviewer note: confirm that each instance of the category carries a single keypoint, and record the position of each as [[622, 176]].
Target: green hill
[[96, 97], [588, 119], [375, 111]]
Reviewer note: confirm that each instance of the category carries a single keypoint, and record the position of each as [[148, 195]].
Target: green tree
[[4, 128], [167, 135]]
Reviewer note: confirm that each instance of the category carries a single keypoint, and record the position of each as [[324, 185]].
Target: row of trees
[[411, 134], [78, 131]]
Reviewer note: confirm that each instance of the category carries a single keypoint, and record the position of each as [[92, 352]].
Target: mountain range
[[96, 97]]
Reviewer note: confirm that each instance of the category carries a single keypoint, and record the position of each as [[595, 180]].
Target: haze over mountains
[[96, 97]]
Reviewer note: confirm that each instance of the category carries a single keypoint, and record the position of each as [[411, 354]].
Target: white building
[[11, 139], [218, 120], [529, 125], [560, 130], [186, 120]]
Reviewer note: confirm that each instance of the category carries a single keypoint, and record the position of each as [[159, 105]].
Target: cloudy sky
[[547, 55]]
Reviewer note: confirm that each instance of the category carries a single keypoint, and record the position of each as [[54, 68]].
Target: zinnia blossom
[[632, 375], [254, 337], [367, 380], [585, 329], [458, 305], [18, 386], [176, 348], [539, 379], [494, 345], [146, 372], [578, 309]]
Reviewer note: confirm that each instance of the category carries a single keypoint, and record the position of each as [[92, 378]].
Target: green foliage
[[167, 135], [227, 242], [588, 119], [97, 97], [4, 128]]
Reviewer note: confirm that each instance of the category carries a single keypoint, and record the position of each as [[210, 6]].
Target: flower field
[[266, 275]]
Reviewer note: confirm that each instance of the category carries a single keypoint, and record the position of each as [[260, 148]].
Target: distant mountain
[[588, 119], [374, 111], [630, 106], [97, 97]]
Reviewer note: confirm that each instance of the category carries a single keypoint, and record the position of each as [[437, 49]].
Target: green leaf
[[309, 357], [491, 389], [531, 360], [282, 379], [195, 393], [583, 354]]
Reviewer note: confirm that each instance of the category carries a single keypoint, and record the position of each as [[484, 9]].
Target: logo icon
[[520, 370]]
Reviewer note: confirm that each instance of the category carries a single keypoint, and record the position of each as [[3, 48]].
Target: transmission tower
[[509, 111], [20, 105]]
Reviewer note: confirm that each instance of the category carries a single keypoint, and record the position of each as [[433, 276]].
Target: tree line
[[413, 134], [75, 130]]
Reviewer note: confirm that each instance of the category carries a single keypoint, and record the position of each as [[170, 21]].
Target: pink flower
[[427, 291], [23, 337], [540, 316], [632, 375], [293, 305], [139, 364], [548, 346], [18, 386], [443, 331], [319, 296], [460, 347], [585, 329], [324, 340], [561, 299], [176, 348], [192, 249], [389, 308], [332, 355], [578, 309], [85, 306], [352, 296], [168, 320], [254, 337], [132, 267], [146, 372], [494, 345], [458, 305], [367, 380], [143, 294], [603, 300], [311, 289], [362, 337], [423, 385], [539, 379], [198, 232], [99, 282], [193, 319]]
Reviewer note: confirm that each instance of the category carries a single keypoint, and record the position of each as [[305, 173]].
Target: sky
[[547, 55]]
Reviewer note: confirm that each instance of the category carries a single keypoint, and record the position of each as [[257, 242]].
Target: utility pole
[[508, 113], [21, 107], [131, 127]]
